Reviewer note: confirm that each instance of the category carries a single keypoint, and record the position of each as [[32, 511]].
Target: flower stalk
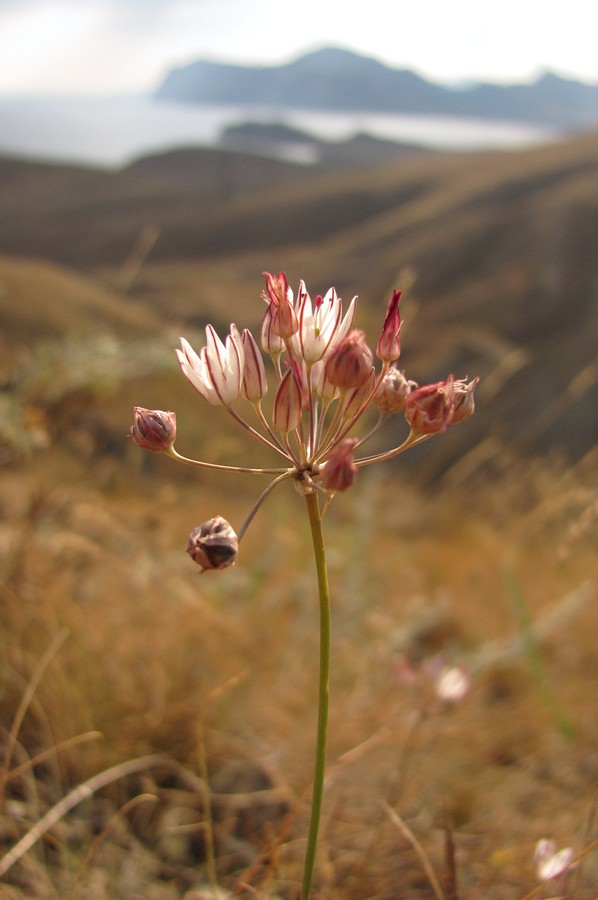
[[315, 521], [326, 386]]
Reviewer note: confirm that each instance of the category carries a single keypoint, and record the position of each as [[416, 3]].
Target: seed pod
[[213, 544]]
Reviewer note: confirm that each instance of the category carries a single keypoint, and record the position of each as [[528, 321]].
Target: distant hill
[[337, 79], [500, 249], [282, 141], [42, 301]]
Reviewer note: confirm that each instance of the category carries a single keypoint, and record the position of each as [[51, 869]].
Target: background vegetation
[[479, 549]]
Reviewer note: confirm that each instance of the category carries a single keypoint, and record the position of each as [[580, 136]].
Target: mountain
[[337, 79]]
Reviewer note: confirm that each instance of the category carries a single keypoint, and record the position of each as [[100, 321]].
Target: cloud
[[106, 46]]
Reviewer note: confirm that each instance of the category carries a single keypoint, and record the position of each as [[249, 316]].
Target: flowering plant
[[325, 381]]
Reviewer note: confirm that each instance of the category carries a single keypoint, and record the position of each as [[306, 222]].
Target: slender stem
[[259, 502], [411, 440], [315, 519], [205, 465], [252, 431]]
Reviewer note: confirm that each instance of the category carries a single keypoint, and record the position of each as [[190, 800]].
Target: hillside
[[158, 726], [333, 78], [497, 250]]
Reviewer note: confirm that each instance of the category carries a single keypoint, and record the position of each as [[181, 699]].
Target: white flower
[[452, 684], [321, 325], [549, 861], [217, 373]]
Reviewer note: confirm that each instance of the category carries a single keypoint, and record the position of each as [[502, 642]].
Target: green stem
[[315, 519]]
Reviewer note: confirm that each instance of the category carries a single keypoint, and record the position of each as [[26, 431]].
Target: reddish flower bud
[[350, 363], [389, 347], [288, 403], [279, 296], [464, 402], [255, 383], [213, 544], [393, 391], [153, 429], [339, 472], [429, 409]]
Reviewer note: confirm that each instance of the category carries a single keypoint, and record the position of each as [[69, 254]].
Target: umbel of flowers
[[325, 379]]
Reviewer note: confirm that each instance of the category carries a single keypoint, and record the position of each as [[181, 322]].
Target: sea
[[111, 132]]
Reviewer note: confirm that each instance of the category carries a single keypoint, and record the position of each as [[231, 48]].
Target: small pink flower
[[339, 472], [429, 409], [389, 347], [153, 429]]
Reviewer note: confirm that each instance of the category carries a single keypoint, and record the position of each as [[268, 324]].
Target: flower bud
[[388, 348], [350, 363], [279, 296], [464, 402], [288, 403], [429, 409], [272, 344], [213, 544], [255, 383], [339, 472], [320, 384], [393, 391], [153, 429]]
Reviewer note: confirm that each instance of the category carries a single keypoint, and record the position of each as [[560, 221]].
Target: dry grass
[[222, 669], [158, 727]]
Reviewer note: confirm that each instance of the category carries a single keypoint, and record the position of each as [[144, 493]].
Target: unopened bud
[[153, 429], [388, 348], [350, 363], [464, 401], [279, 296], [392, 391], [255, 383], [213, 544], [429, 409], [339, 472], [272, 343], [321, 384], [288, 403]]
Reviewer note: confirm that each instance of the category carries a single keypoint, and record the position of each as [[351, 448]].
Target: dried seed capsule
[[213, 544]]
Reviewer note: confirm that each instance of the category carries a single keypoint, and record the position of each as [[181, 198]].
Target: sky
[[104, 47]]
